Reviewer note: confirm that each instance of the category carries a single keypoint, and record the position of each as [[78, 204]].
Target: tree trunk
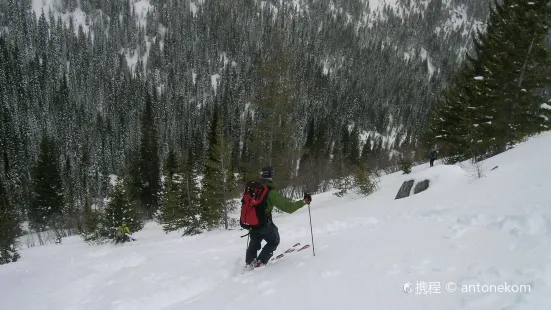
[[188, 194], [224, 205], [224, 188], [271, 145], [40, 240], [515, 102]]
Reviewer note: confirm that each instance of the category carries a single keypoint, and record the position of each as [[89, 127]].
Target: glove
[[307, 198]]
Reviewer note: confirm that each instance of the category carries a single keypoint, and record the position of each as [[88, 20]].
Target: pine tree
[[496, 99], [190, 198], [342, 178], [218, 182], [248, 162], [119, 211], [89, 224], [450, 126], [345, 143], [273, 140], [211, 197], [181, 207], [47, 205], [321, 153], [525, 67], [9, 229], [305, 161], [146, 185], [353, 157], [366, 150], [378, 153], [309, 170], [171, 165], [364, 180], [171, 213], [405, 164]]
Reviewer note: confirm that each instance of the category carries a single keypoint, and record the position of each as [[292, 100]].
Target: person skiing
[[123, 234], [267, 230], [432, 156]]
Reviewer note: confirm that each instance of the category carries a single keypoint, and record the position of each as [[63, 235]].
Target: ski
[[294, 248], [289, 250]]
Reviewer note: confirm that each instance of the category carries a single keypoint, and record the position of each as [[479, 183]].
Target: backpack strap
[[266, 217]]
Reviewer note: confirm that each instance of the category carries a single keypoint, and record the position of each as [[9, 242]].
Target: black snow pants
[[270, 234]]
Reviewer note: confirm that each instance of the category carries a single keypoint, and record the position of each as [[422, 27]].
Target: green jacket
[[123, 229], [275, 199]]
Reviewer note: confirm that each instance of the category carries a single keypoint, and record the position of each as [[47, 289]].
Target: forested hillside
[[90, 89]]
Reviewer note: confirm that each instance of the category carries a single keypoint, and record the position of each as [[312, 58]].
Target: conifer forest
[[126, 111]]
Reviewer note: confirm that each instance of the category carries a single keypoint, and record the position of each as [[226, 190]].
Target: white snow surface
[[45, 5], [141, 8], [77, 16], [215, 80], [193, 8], [494, 230]]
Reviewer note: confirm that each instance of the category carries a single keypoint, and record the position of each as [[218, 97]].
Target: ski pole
[[311, 232], [247, 235]]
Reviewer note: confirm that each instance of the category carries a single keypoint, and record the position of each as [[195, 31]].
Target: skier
[[267, 230], [123, 234], [432, 156]]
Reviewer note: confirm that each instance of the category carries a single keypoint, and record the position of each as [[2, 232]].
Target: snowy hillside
[[488, 232], [454, 17], [77, 17]]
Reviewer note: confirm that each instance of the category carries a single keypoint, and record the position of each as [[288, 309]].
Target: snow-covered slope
[[491, 231], [76, 16]]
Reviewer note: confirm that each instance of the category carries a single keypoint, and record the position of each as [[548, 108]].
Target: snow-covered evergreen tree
[[9, 229], [89, 224], [219, 182], [171, 214], [119, 211], [364, 180], [181, 209], [496, 98], [192, 222], [47, 205], [146, 177]]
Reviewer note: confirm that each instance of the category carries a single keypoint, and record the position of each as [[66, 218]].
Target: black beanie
[[267, 172]]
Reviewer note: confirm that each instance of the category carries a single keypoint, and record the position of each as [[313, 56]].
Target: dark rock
[[405, 189], [421, 187]]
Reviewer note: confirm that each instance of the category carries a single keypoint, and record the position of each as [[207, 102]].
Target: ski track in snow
[[493, 230]]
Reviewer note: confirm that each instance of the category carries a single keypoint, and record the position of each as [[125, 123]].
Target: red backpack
[[253, 205]]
